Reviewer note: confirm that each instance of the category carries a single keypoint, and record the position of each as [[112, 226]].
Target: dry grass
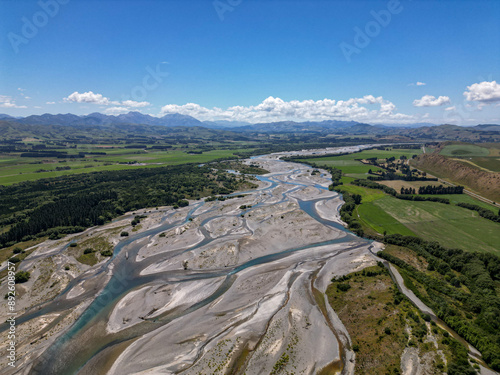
[[407, 255], [366, 310]]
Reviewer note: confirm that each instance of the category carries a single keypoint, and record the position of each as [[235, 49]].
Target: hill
[[485, 183]]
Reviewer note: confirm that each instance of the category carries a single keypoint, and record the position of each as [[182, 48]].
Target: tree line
[[474, 312], [483, 212], [429, 189], [394, 193], [68, 204]]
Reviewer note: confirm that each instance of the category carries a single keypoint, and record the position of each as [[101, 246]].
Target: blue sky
[[254, 60]]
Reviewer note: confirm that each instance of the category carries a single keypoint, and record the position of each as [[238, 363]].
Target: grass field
[[490, 163], [373, 216], [16, 169], [464, 198], [352, 167], [369, 195], [464, 150], [485, 157], [452, 226], [378, 323]]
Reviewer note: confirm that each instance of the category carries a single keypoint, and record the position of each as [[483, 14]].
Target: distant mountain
[[176, 119], [488, 127], [140, 121], [328, 126], [99, 119], [414, 125], [5, 117], [221, 124]]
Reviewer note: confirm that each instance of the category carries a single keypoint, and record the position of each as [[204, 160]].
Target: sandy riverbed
[[230, 290]]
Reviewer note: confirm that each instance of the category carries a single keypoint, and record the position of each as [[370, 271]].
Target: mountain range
[[176, 119]]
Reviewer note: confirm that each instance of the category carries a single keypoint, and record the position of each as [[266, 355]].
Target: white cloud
[[452, 108], [484, 92], [50, 103], [38, 107], [7, 102], [134, 104], [116, 110], [421, 84], [431, 101], [276, 109], [87, 97], [90, 97]]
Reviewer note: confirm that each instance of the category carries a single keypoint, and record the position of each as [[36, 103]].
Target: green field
[[464, 150], [487, 157], [369, 195], [17, 169], [352, 167], [464, 198], [374, 217], [452, 226], [491, 163]]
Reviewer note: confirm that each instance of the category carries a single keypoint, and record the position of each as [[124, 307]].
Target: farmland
[[485, 157], [380, 213], [351, 165], [15, 169]]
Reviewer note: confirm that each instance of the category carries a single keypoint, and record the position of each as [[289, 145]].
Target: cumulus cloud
[[87, 97], [417, 84], [134, 104], [91, 97], [484, 92], [7, 102], [116, 110], [50, 103], [367, 108], [452, 108], [431, 101]]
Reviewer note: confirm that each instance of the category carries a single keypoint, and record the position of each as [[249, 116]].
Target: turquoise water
[[127, 278]]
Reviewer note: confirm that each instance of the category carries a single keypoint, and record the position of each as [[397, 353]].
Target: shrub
[[88, 250], [106, 253], [124, 234], [343, 287], [14, 260], [73, 244], [22, 277]]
